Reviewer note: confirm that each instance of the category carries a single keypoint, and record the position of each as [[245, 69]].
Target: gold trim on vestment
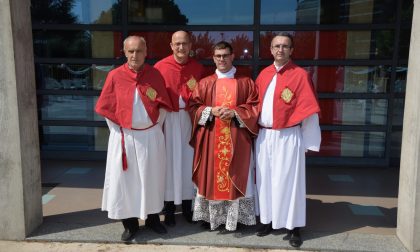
[[151, 93], [192, 83], [287, 95]]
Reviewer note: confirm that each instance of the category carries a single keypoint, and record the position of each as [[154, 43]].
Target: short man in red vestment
[[181, 74], [224, 112], [132, 101], [289, 126]]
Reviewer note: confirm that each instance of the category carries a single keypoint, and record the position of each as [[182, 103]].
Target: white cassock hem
[[179, 157], [280, 172], [139, 190]]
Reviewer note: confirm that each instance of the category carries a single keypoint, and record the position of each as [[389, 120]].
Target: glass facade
[[355, 50]]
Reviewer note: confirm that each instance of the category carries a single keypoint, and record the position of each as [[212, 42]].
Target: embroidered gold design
[[151, 93], [287, 95], [224, 145], [192, 83]]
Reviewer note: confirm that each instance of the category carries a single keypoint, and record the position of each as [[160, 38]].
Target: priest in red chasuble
[[181, 74], [134, 102], [289, 126], [224, 113]]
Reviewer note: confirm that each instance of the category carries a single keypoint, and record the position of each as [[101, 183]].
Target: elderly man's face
[[135, 51]]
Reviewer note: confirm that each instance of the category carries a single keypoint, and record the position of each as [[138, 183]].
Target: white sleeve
[[311, 133], [162, 116], [112, 126]]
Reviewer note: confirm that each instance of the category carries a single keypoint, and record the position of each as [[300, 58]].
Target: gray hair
[[142, 40]]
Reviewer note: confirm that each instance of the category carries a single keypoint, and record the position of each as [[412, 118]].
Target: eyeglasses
[[179, 44], [280, 46], [221, 56]]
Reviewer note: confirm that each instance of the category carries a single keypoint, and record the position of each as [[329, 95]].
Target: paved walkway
[[348, 209], [13, 246]]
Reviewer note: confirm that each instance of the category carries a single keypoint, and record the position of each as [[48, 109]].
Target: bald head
[[181, 34], [181, 46]]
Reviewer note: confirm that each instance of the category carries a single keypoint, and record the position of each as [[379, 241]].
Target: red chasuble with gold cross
[[222, 149], [226, 92]]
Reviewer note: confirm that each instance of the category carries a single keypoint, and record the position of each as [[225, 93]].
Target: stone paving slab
[[186, 234]]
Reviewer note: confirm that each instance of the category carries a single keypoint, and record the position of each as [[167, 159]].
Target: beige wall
[[20, 175]]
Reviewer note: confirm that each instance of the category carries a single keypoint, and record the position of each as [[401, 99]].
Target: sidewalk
[[13, 246], [348, 209]]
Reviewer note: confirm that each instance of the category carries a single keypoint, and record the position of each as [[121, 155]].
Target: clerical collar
[[229, 74], [278, 68]]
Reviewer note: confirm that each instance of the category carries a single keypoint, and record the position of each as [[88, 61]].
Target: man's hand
[[215, 111], [226, 114]]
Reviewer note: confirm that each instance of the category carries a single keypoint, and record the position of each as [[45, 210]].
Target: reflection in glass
[[240, 70], [407, 11], [352, 144], [396, 141], [327, 12], [350, 79], [77, 44], [72, 138], [398, 112], [400, 79], [68, 107], [191, 12], [334, 44], [353, 111], [76, 11], [202, 43], [404, 45], [241, 42], [71, 77]]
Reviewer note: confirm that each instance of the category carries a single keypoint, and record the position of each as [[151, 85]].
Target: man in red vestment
[[224, 112], [289, 126], [132, 101], [181, 74]]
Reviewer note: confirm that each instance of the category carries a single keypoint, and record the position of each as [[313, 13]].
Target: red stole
[[226, 96]]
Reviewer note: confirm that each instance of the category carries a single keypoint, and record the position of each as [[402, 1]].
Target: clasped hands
[[223, 113]]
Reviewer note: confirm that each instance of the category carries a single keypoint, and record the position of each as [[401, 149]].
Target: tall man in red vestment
[[224, 112], [181, 74], [289, 126], [132, 102]]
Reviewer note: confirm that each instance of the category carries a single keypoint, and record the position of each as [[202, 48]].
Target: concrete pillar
[[408, 220], [20, 173]]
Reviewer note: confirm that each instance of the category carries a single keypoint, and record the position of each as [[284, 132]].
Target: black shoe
[[153, 223], [131, 226], [128, 235], [264, 230], [169, 207], [293, 236], [205, 225], [170, 220], [186, 210]]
